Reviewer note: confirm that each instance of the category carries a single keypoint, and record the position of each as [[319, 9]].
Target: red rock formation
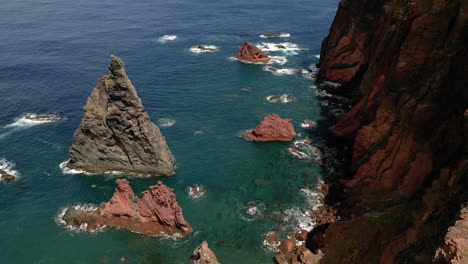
[[249, 53], [405, 61], [272, 128], [156, 213]]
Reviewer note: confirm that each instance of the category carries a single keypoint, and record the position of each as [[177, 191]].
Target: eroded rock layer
[[155, 214], [405, 61], [116, 134]]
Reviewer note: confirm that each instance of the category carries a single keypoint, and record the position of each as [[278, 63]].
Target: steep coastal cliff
[[405, 63]]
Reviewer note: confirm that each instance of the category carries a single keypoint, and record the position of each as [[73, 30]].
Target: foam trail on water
[[31, 119], [165, 38], [273, 60], [275, 35]]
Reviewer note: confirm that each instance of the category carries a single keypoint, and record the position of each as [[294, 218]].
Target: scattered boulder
[[203, 255], [156, 213], [6, 176], [272, 241], [272, 128], [116, 134], [249, 53]]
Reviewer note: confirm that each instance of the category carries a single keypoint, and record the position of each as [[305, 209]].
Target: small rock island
[[116, 134], [251, 54], [272, 128], [155, 214]]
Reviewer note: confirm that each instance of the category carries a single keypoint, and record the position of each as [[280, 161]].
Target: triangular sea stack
[[249, 53], [116, 134]]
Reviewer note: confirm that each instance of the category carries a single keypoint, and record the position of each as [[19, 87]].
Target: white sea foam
[[322, 93], [317, 56], [276, 35], [204, 49], [285, 71], [302, 218], [31, 119], [166, 122], [165, 38], [303, 149], [66, 170], [284, 98], [251, 211], [196, 192], [281, 60], [287, 48], [8, 167], [307, 124]]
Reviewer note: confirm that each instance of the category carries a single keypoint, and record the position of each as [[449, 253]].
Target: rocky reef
[[405, 64], [249, 53], [116, 134], [272, 128], [6, 176], [155, 214], [203, 255]]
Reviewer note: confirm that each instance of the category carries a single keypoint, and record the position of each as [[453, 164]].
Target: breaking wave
[[275, 35], [204, 49], [166, 122], [165, 38], [31, 119]]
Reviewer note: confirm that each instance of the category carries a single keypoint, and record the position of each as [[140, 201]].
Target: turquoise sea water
[[52, 52]]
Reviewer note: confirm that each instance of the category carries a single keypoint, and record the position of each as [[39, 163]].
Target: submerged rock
[[155, 214], [116, 133], [284, 98], [272, 35], [249, 53], [203, 255], [43, 118], [272, 128]]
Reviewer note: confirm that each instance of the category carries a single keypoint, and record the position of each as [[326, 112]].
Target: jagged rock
[[116, 133], [156, 213], [455, 247], [249, 53], [203, 255], [272, 128]]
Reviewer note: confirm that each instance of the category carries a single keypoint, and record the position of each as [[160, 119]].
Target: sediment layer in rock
[[116, 134]]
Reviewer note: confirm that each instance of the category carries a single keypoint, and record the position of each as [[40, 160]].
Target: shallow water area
[[54, 52]]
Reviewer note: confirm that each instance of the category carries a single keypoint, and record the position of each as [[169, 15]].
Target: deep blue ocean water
[[52, 53]]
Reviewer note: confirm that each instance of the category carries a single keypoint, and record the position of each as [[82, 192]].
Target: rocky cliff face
[[116, 133], [156, 213], [405, 62]]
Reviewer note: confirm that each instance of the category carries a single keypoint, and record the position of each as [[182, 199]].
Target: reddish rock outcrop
[[249, 53], [272, 128], [156, 213], [405, 62], [203, 255]]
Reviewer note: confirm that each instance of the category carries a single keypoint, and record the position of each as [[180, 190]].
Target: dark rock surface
[[116, 133]]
